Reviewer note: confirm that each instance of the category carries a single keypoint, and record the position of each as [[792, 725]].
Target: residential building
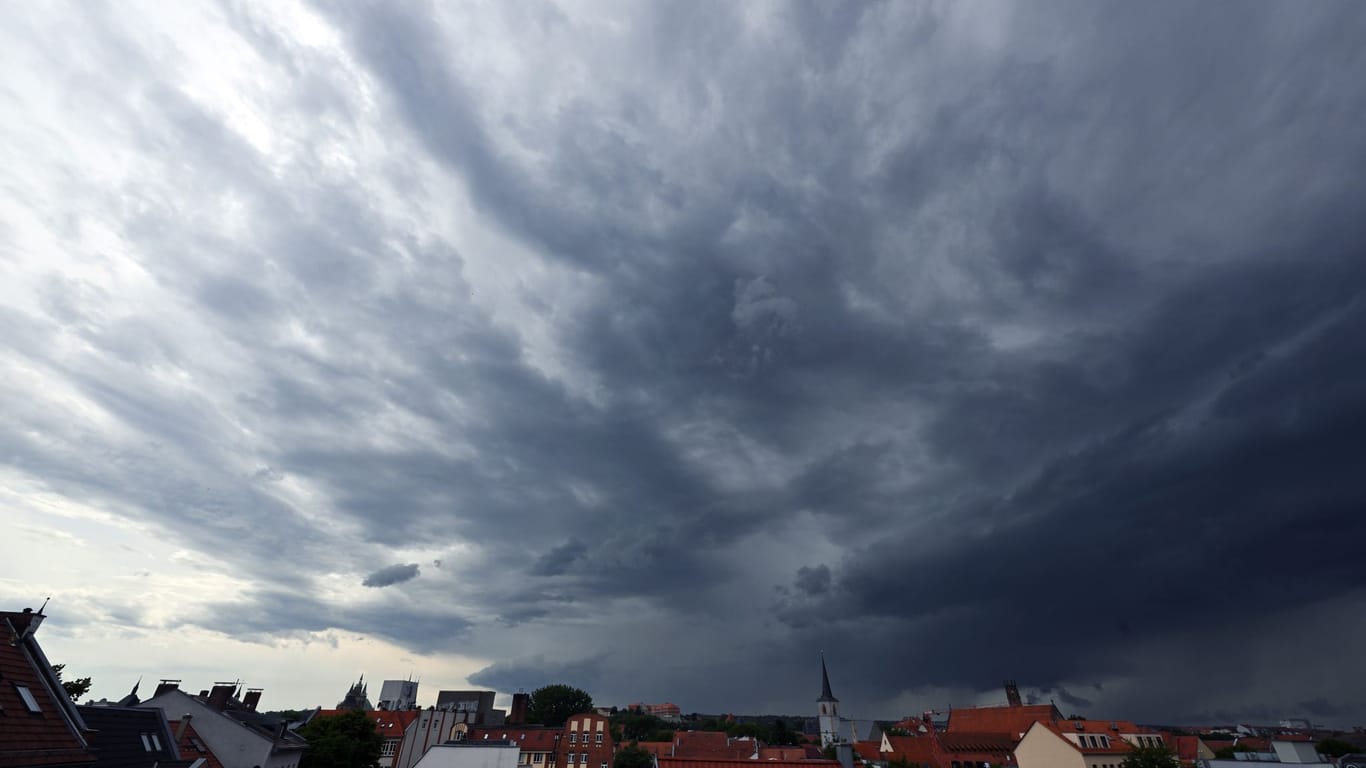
[[949, 750], [432, 727], [536, 743], [398, 694], [475, 706], [1082, 743], [238, 735], [665, 711], [1014, 720], [39, 724], [585, 742], [130, 737], [704, 762]]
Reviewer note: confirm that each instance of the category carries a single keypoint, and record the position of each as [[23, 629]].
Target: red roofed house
[[39, 724], [1014, 720], [949, 750], [191, 746], [586, 742], [1082, 743], [536, 743], [703, 762]]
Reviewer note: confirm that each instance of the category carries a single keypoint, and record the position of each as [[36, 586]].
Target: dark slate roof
[[123, 737], [269, 727], [52, 735]]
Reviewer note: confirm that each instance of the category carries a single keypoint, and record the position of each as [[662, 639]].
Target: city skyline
[[655, 347]]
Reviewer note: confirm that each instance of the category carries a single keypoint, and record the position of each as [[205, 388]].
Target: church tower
[[828, 709]]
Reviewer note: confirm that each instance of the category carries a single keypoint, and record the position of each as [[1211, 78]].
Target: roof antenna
[[45, 602]]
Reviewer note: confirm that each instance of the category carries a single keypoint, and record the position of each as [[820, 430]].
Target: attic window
[[29, 702], [150, 742]]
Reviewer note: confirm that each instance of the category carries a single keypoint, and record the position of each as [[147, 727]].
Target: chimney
[[166, 685], [252, 698], [180, 729], [845, 754], [520, 704], [218, 697]]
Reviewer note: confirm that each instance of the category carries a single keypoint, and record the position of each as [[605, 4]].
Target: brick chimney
[[521, 702], [180, 729], [166, 685], [252, 698], [218, 697]]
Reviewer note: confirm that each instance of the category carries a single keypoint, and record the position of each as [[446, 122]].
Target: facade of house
[[1083, 743], [585, 742], [191, 745], [536, 744], [39, 724], [239, 736]]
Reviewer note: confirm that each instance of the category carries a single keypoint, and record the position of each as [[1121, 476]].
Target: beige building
[[1082, 744]]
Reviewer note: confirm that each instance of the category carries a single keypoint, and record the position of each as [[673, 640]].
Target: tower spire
[[826, 695]]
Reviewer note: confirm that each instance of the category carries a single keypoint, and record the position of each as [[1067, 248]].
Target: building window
[[389, 746], [537, 758], [574, 738], [30, 703], [598, 737], [569, 759], [150, 742], [583, 758]]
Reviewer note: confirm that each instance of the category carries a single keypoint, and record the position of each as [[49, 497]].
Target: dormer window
[[150, 742], [30, 703]]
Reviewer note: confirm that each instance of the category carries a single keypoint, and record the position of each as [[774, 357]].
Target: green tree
[[74, 688], [780, 734], [347, 740], [555, 704], [1334, 748], [1150, 757], [632, 756]]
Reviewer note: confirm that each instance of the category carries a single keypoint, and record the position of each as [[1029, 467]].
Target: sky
[[657, 347]]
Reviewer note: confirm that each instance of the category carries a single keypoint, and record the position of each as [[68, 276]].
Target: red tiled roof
[[657, 748], [704, 762], [43, 738], [977, 742], [790, 753], [1011, 720], [530, 738], [868, 750], [390, 723], [912, 749], [711, 744], [192, 747]]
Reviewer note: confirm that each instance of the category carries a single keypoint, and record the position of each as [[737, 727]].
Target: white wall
[[470, 755]]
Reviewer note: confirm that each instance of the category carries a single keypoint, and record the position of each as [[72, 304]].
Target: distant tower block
[[828, 709], [1013, 694]]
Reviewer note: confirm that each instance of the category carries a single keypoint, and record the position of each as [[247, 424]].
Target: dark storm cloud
[[390, 575], [1017, 342]]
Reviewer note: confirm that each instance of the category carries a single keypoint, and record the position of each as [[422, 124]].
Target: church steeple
[[828, 709], [826, 695]]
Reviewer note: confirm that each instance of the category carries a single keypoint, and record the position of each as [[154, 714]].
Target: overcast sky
[[656, 347]]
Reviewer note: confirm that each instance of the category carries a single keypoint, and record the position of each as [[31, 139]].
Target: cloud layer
[[687, 339]]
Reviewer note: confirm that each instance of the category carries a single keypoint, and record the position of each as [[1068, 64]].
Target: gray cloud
[[1012, 339], [390, 575]]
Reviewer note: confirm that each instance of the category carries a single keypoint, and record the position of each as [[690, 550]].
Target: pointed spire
[[826, 695]]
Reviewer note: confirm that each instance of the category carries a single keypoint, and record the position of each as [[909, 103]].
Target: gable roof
[[52, 736], [1012, 720], [530, 738], [912, 749]]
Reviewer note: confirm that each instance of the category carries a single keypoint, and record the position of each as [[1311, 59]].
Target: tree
[[74, 688], [1150, 757], [632, 756], [555, 704], [1335, 748], [347, 740], [780, 734]]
